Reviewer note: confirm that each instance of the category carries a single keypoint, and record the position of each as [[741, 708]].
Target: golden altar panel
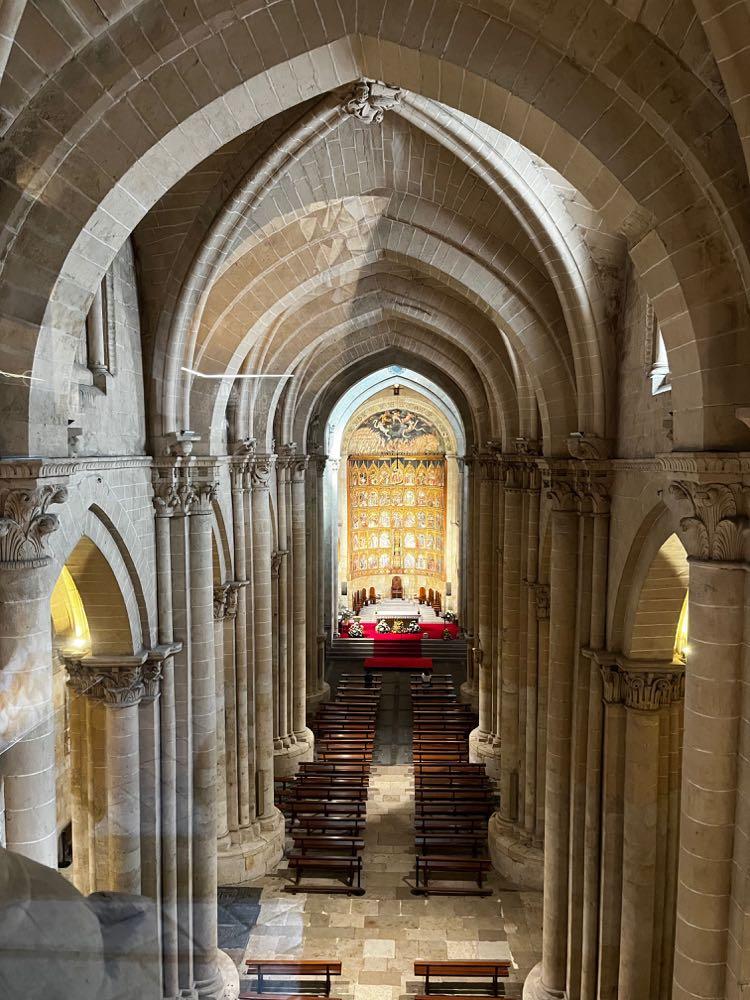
[[397, 524]]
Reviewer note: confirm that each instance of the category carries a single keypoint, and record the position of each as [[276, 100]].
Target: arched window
[[656, 355]]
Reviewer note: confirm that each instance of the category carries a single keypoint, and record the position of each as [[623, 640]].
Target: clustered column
[[28, 762], [713, 901]]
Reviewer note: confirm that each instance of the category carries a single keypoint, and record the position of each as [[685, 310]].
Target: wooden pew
[[345, 826], [327, 843], [431, 865], [292, 969], [474, 844], [468, 969], [347, 868], [331, 807]]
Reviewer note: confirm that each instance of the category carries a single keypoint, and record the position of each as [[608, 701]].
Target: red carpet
[[434, 630], [398, 663]]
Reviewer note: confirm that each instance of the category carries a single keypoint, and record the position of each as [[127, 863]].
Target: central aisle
[[377, 937]]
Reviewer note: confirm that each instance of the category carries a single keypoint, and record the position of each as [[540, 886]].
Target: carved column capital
[[260, 471], [561, 491], [644, 686], [117, 682], [184, 487], [26, 522], [715, 524], [650, 690]]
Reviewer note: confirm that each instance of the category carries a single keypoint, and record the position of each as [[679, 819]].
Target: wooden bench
[[347, 868], [328, 756], [312, 767], [460, 794], [330, 807], [448, 769], [451, 824], [326, 792], [469, 969], [431, 864], [345, 826], [328, 843], [427, 808], [474, 844], [293, 970]]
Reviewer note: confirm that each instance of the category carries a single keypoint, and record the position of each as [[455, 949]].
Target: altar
[[397, 608]]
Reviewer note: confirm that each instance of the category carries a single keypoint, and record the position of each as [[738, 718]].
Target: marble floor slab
[[378, 936]]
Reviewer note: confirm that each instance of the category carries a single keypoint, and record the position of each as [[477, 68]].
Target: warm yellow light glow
[[681, 647], [68, 614]]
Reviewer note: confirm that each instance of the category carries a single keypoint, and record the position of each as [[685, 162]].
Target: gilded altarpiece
[[397, 504]]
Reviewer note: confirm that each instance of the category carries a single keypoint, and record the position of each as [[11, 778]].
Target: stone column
[[79, 787], [164, 507], [221, 597], [644, 694], [612, 808], [261, 472], [281, 568], [550, 979], [484, 584], [27, 737], [511, 568], [715, 534], [541, 598], [118, 684], [242, 814], [149, 755], [281, 740], [299, 566], [528, 819], [321, 691], [203, 703]]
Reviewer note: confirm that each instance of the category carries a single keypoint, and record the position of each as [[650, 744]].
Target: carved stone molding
[[184, 488], [260, 471], [716, 525], [221, 592], [644, 686], [233, 594], [588, 447], [562, 493], [276, 557], [117, 682], [526, 446], [652, 690], [152, 673], [25, 523], [541, 596], [370, 100]]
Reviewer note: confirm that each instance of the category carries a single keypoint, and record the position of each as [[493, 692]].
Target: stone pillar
[[27, 737], [79, 788], [511, 568], [283, 583], [645, 693], [715, 535], [482, 649], [118, 684], [221, 598], [164, 506], [261, 471], [242, 813], [95, 334], [281, 741], [550, 979], [612, 809], [203, 703], [541, 598], [297, 472], [187, 490], [528, 820], [149, 755], [321, 691]]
